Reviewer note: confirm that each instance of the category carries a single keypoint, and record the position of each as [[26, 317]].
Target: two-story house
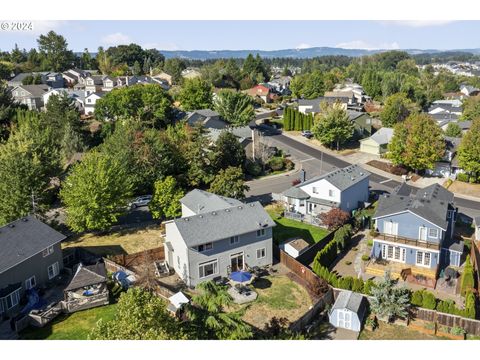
[[217, 235], [345, 188], [415, 232], [30, 256], [30, 95]]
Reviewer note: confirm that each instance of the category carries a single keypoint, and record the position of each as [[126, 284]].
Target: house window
[[208, 268], [47, 251], [315, 190], [261, 253], [423, 258], [234, 239], [390, 252], [30, 283], [13, 299], [205, 247], [433, 233], [331, 193], [260, 232], [53, 271]]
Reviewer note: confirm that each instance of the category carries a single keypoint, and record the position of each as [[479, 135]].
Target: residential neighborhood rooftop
[[200, 201], [348, 300], [342, 178]]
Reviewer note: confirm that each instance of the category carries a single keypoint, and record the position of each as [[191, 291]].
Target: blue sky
[[261, 35]]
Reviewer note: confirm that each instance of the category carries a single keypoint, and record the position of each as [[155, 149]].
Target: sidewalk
[[358, 158]]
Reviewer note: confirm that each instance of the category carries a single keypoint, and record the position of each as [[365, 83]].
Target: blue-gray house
[[415, 231]]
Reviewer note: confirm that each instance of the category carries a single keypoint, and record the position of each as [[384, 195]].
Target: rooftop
[[200, 201], [88, 275], [341, 178], [348, 300]]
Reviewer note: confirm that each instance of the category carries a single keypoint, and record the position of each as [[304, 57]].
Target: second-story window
[[260, 232], [205, 247], [47, 251], [331, 193], [234, 239], [315, 190], [433, 233]]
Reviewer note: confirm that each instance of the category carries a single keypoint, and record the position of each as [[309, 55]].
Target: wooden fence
[[139, 258], [296, 267], [475, 257], [471, 326], [306, 258], [313, 312]]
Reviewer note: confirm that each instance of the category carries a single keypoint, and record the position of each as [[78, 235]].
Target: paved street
[[316, 162]]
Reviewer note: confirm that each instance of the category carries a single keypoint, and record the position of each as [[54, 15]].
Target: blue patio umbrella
[[240, 276]]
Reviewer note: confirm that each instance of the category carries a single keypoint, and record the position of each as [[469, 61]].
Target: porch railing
[[407, 241]]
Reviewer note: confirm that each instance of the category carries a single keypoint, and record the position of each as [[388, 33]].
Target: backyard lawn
[[394, 332], [278, 296], [76, 326], [127, 241], [288, 228]]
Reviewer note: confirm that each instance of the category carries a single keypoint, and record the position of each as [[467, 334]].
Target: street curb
[[288, 173]]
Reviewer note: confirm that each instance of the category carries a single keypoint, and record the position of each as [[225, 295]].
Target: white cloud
[[116, 39], [360, 44], [303, 46], [418, 23]]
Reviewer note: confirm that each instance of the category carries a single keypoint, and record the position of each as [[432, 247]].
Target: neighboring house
[[50, 79], [91, 101], [342, 94], [75, 76], [362, 123], [93, 84], [206, 118], [88, 288], [476, 222], [78, 96], [469, 90], [191, 73], [357, 90], [345, 188], [348, 311], [164, 76], [281, 84], [30, 256], [217, 235], [260, 91], [30, 95], [313, 106], [377, 143], [416, 231], [448, 165], [296, 247]]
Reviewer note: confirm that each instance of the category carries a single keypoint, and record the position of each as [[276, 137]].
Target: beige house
[[377, 143]]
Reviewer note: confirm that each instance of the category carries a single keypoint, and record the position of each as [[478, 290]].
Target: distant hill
[[293, 53]]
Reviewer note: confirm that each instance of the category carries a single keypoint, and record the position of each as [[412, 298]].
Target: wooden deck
[[398, 270], [407, 241]]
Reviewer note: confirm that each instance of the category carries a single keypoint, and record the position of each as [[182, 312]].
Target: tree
[[279, 329], [53, 48], [417, 143], [469, 149], [389, 301], [104, 61], [209, 318], [453, 130], [396, 109], [333, 127], [227, 151], [86, 60], [196, 94], [471, 108], [467, 281], [140, 315], [7, 107], [95, 193], [235, 107], [334, 218], [149, 104], [229, 182], [136, 69], [166, 199], [174, 67]]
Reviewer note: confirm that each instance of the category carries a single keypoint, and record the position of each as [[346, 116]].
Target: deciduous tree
[[229, 182], [196, 94], [235, 107], [333, 127], [166, 199], [469, 149]]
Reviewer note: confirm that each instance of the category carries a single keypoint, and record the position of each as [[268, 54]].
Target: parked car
[[140, 201], [307, 133]]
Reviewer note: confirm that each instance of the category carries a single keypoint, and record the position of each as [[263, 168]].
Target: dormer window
[[260, 232], [204, 247], [234, 239], [47, 251], [331, 193]]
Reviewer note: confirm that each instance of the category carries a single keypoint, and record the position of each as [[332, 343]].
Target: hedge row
[[347, 283], [427, 300], [295, 120], [328, 254], [467, 281]]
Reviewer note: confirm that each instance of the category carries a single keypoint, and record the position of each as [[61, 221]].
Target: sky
[[254, 35]]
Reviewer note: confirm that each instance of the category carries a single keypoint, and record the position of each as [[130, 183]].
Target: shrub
[[429, 300], [457, 330], [276, 163], [334, 218], [342, 235], [357, 285], [462, 177], [367, 287], [417, 298], [318, 287], [348, 263], [429, 325], [365, 257], [289, 164], [345, 283], [447, 306], [372, 322], [470, 305], [327, 255], [467, 281], [370, 242], [253, 168]]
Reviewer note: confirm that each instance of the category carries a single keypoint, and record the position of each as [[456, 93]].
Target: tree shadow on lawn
[[282, 232], [262, 283]]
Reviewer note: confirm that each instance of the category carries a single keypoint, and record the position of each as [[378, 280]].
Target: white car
[[140, 201]]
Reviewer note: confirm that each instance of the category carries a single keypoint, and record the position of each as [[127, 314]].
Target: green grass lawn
[[76, 326], [288, 228]]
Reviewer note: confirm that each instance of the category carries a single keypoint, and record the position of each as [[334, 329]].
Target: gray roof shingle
[[24, 238], [200, 201], [382, 136], [88, 275], [349, 300], [222, 224], [341, 178]]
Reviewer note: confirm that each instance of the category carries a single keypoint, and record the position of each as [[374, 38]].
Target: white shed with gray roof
[[348, 311], [378, 142]]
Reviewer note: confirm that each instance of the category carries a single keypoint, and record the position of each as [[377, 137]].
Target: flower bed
[[423, 327]]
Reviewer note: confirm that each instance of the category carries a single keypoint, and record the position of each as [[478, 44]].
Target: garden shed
[[348, 311], [296, 247]]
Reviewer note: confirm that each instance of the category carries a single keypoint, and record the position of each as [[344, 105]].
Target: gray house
[[30, 256], [206, 118], [30, 95], [416, 231], [50, 79], [345, 188], [348, 311], [217, 235]]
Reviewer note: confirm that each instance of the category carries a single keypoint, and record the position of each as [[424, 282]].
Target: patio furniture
[[240, 276]]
